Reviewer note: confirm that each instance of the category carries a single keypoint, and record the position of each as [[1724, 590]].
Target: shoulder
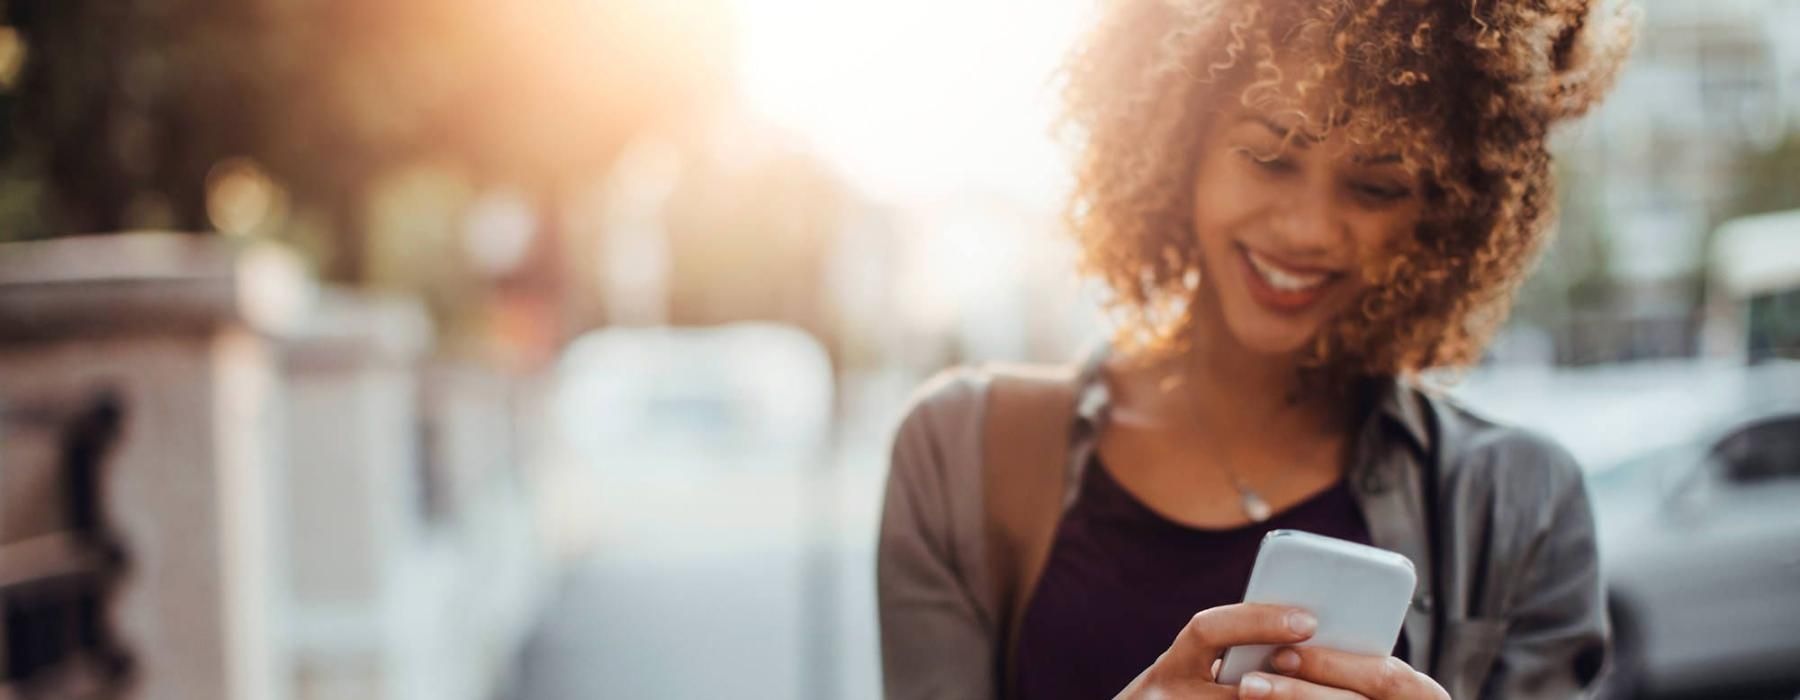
[[1520, 469], [945, 406], [937, 444], [950, 408], [957, 389]]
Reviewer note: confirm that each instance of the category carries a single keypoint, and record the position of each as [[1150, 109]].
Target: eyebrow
[[1282, 132]]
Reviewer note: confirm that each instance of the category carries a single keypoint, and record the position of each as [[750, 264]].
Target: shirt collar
[[1398, 402]]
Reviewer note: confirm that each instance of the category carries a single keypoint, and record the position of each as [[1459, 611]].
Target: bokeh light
[[240, 196]]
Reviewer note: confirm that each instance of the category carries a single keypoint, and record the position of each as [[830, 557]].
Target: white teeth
[[1282, 279]]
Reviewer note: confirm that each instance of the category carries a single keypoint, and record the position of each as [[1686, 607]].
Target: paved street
[[705, 588]]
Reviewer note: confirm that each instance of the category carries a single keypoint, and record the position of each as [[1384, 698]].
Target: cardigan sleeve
[[1556, 634]]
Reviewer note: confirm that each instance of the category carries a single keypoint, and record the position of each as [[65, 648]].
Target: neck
[[1240, 391]]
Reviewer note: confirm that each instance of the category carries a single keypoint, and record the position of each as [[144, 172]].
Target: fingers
[[1261, 686], [1210, 632], [1385, 678], [1150, 685]]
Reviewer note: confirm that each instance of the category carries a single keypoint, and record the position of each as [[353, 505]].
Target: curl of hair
[[1466, 90]]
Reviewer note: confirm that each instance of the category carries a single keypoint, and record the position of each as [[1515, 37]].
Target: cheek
[[1379, 234], [1222, 198]]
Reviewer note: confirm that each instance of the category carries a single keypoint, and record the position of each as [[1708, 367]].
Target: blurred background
[[471, 350]]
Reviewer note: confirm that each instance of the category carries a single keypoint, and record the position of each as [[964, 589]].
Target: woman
[[1297, 205]]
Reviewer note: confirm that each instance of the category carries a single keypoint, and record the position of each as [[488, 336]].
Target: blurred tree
[[1768, 179], [750, 224], [371, 120], [123, 106]]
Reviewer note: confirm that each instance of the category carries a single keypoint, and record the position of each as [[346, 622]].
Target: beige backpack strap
[[1025, 443]]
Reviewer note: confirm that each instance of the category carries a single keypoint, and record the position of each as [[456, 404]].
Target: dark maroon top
[[1122, 580]]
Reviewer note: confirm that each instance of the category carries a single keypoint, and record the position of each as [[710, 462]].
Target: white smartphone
[[1359, 594]]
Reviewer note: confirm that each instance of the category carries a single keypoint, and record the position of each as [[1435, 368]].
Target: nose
[[1308, 223]]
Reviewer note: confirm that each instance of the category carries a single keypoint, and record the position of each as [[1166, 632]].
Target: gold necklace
[[1255, 507]]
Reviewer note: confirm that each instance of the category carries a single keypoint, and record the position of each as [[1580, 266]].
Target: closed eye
[[1380, 192]]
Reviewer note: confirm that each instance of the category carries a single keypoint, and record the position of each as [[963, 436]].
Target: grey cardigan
[[1495, 519]]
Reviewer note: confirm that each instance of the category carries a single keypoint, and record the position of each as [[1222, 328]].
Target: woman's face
[[1285, 232]]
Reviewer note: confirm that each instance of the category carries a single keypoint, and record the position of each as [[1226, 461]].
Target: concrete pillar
[[363, 553], [181, 328]]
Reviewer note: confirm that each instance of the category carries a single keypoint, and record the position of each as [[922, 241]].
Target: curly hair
[[1465, 90]]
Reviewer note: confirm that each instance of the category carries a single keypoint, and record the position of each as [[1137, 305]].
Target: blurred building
[[1660, 165], [737, 220], [218, 483]]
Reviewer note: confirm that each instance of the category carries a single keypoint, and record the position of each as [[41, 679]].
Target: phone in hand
[[1358, 593]]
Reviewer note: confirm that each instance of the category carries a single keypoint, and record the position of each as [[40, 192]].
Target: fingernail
[[1301, 622], [1286, 661], [1254, 686]]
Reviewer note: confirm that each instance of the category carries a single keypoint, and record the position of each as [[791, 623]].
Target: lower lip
[[1279, 300]]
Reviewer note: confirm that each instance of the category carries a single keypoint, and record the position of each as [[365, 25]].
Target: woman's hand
[[1189, 667], [1325, 674]]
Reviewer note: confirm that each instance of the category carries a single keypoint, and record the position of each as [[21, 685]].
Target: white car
[[1700, 548], [1694, 469]]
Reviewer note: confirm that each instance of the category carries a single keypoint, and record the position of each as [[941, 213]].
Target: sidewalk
[[727, 602]]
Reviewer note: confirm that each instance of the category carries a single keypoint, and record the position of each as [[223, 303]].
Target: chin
[[1263, 334], [1273, 342]]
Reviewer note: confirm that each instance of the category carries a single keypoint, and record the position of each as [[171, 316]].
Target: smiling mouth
[[1282, 288]]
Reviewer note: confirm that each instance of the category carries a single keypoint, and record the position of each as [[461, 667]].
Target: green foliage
[[1770, 179], [124, 106]]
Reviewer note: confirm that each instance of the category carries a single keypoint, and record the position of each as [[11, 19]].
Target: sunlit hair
[[1464, 90]]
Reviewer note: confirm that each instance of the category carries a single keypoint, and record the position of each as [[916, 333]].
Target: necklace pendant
[[1255, 507]]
